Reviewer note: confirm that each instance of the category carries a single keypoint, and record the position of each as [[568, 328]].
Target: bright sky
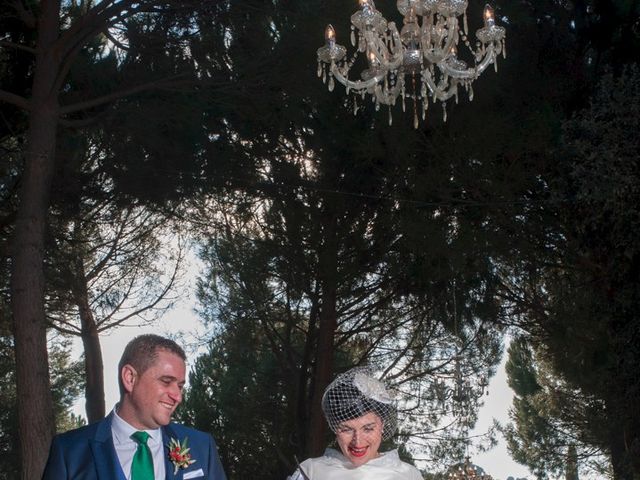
[[496, 462]]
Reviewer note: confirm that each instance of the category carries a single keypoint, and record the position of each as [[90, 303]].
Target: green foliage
[[238, 393], [371, 217], [584, 366], [9, 452], [93, 246], [268, 267], [419, 226], [603, 177], [66, 384], [537, 437], [422, 221]]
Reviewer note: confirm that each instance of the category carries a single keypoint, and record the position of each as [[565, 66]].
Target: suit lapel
[[104, 453], [167, 434]]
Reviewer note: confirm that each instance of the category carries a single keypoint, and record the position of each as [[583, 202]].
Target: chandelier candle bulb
[[489, 20], [330, 36], [426, 49], [364, 4]]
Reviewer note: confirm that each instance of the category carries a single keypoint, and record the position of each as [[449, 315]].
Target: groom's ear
[[128, 375]]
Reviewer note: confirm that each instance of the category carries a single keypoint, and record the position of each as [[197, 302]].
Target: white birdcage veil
[[355, 393]]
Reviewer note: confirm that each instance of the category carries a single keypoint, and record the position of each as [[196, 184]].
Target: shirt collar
[[122, 430]]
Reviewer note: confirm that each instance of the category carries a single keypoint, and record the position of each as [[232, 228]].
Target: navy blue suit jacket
[[88, 453]]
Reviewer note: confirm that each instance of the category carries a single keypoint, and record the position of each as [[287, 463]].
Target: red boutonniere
[[179, 454]]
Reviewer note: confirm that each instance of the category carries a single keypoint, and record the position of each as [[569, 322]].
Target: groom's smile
[[154, 395]]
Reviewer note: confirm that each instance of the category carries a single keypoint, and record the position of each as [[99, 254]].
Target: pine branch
[[14, 99]]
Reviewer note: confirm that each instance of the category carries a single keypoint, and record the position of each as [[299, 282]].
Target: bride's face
[[360, 438]]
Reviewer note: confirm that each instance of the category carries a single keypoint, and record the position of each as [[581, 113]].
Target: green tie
[[142, 465]]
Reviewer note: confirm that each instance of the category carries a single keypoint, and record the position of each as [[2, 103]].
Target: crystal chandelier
[[419, 62], [463, 396]]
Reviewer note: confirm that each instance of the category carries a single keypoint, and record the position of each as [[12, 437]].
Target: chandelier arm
[[388, 98], [490, 57], [394, 63], [357, 85], [436, 92], [437, 55], [376, 45], [472, 73]]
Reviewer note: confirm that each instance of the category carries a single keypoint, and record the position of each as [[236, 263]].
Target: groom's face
[[154, 395]]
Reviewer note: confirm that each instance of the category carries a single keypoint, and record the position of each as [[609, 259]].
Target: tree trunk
[[93, 365], [35, 404], [620, 462], [634, 455], [305, 382], [94, 369], [326, 331]]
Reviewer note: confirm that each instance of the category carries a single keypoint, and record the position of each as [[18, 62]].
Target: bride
[[361, 413]]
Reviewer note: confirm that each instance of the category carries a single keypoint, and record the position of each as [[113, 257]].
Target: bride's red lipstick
[[358, 453]]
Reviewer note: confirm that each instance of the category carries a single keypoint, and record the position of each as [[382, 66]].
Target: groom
[[136, 441]]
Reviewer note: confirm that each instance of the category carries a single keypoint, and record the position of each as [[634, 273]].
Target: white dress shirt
[[126, 447]]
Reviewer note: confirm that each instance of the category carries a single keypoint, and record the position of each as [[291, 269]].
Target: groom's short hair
[[142, 351]]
